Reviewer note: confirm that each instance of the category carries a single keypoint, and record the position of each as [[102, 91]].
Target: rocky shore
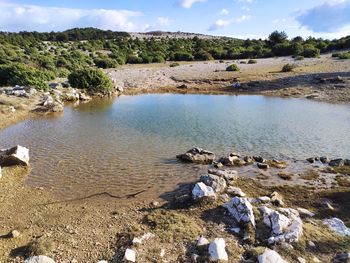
[[220, 218]]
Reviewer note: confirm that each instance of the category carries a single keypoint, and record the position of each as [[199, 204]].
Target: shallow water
[[126, 145]]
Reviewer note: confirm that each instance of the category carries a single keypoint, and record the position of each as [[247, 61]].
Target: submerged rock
[[39, 259], [337, 226], [17, 155], [217, 250], [270, 256], [342, 258], [263, 165], [201, 190], [233, 159], [324, 159], [216, 182], [337, 163], [197, 155], [241, 210]]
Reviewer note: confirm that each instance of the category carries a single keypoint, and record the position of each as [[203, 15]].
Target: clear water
[[125, 145]]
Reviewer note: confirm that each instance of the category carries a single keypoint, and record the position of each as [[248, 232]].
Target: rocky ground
[[323, 79], [221, 217]]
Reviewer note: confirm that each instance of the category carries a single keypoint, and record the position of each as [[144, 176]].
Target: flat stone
[[228, 175], [143, 238], [270, 256], [305, 212], [39, 259], [130, 255], [197, 155], [337, 226], [217, 250], [235, 191]]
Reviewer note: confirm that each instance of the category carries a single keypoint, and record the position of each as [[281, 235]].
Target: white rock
[[301, 260], [286, 224], [241, 210], [337, 226], [202, 241], [236, 191], [102, 261], [17, 155], [305, 212], [145, 237], [0, 172], [39, 259], [216, 182], [162, 253], [201, 190], [270, 256], [275, 220], [217, 250], [311, 244], [130, 255], [264, 199]]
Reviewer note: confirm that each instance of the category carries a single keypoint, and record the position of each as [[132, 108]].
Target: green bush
[[252, 61], [299, 58], [91, 79], [173, 65], [310, 51], [345, 55], [23, 75], [288, 67], [105, 63], [232, 67], [133, 59]]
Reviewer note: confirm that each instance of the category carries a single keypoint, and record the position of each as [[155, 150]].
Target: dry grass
[[310, 175]]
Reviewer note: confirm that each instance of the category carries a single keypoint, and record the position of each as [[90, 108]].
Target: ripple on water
[[128, 144]]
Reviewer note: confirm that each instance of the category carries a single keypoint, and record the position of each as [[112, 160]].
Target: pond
[[128, 144]]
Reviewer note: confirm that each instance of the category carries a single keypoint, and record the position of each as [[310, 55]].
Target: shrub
[[311, 52], [173, 65], [299, 58], [105, 63], [91, 79], [23, 75], [252, 61], [232, 67], [183, 56], [243, 62], [345, 55], [288, 67], [133, 59]]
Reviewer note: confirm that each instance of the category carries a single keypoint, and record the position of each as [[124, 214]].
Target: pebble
[[15, 233], [130, 255]]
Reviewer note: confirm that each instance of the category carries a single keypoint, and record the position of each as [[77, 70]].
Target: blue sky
[[236, 18]]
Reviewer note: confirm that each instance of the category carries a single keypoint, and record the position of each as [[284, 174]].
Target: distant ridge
[[179, 34]]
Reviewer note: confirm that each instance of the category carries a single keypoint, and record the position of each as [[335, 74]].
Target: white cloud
[[189, 3], [245, 1], [224, 12], [221, 23], [161, 23], [15, 17]]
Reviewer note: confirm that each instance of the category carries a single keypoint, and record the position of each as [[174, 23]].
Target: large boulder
[[233, 159], [285, 224], [241, 210], [197, 155], [17, 155], [39, 259], [201, 190], [49, 104], [270, 256], [338, 226], [217, 250], [216, 182]]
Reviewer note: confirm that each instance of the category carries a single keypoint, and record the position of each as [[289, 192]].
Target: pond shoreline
[[98, 228]]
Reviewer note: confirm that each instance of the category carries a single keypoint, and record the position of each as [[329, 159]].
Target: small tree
[[90, 79], [288, 67], [277, 37]]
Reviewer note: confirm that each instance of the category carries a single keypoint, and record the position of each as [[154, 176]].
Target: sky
[[234, 18]]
